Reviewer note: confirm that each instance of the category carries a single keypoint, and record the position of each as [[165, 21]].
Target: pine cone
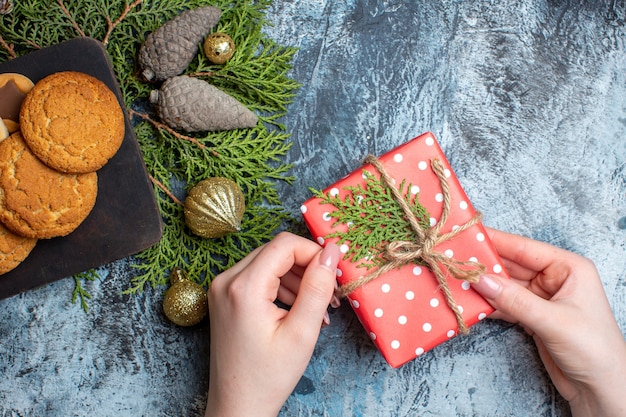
[[194, 105], [170, 49]]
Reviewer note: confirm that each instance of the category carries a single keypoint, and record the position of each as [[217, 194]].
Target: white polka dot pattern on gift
[[404, 311]]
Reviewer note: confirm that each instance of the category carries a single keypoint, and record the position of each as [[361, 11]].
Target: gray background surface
[[528, 100]]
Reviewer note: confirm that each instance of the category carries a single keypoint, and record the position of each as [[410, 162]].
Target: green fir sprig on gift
[[257, 76], [373, 219]]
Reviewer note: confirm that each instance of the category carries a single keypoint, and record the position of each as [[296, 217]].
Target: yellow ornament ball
[[219, 47], [185, 302]]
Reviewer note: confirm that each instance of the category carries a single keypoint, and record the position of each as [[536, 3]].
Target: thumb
[[516, 303], [316, 290]]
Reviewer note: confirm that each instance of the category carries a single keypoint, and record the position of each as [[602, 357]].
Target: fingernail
[[330, 256], [326, 320], [334, 302], [488, 286]]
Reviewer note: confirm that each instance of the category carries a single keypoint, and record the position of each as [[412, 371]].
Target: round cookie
[[72, 122], [37, 201], [13, 249]]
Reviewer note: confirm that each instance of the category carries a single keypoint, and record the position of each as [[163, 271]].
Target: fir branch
[[79, 289], [373, 218]]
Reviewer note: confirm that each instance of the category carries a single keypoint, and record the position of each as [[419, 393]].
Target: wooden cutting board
[[125, 219]]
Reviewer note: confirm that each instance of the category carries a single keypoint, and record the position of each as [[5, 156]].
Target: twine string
[[421, 249]]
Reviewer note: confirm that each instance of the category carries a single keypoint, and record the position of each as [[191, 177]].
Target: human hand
[[558, 298], [258, 350]]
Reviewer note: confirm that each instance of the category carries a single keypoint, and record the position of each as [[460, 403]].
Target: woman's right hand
[[558, 298]]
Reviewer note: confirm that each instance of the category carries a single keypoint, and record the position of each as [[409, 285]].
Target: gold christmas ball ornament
[[214, 207], [185, 301], [219, 47]]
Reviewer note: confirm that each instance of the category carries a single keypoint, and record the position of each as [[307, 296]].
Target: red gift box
[[404, 310]]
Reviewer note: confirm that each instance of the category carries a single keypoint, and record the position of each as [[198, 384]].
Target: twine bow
[[421, 250]]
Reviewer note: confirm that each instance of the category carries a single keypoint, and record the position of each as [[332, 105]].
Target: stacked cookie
[[70, 125]]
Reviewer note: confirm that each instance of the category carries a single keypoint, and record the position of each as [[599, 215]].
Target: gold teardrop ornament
[[219, 47], [185, 301], [214, 207]]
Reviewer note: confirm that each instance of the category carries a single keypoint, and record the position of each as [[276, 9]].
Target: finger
[[286, 296], [275, 259], [516, 303], [517, 271], [524, 254], [290, 285], [315, 293], [291, 281]]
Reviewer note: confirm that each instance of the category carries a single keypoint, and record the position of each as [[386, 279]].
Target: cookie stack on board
[[70, 125]]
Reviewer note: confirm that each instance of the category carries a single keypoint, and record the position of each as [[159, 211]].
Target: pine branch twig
[[112, 25], [8, 48], [160, 125], [69, 16], [165, 190], [202, 74]]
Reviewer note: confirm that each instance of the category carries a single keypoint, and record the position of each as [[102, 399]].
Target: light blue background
[[528, 100]]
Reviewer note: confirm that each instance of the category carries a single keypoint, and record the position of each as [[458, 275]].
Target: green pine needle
[[257, 75]]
